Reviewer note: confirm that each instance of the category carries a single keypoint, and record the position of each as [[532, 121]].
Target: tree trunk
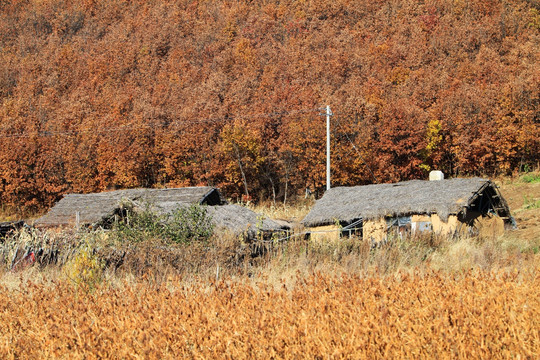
[[241, 169]]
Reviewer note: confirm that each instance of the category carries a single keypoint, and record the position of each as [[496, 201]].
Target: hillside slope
[[115, 94]]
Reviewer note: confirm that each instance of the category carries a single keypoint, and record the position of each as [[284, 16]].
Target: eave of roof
[[94, 207], [443, 197]]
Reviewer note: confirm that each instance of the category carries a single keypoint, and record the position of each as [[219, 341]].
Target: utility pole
[[328, 114]]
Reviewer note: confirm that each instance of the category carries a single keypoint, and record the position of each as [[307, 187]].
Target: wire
[[356, 149], [177, 123]]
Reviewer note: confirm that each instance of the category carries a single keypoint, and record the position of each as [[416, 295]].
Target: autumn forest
[[106, 94]]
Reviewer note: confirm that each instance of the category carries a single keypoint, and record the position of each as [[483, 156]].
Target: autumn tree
[[96, 95]]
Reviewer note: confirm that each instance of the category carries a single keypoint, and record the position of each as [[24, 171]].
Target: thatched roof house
[[453, 201], [239, 220], [95, 208], [9, 227], [99, 209]]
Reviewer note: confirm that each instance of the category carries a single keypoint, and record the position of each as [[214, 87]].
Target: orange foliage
[[103, 94]]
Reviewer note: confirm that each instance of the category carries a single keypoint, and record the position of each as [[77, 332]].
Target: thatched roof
[[233, 219], [239, 220], [10, 226], [100, 208], [443, 197], [97, 207]]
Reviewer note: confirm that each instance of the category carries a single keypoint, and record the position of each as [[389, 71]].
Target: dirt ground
[[524, 201]]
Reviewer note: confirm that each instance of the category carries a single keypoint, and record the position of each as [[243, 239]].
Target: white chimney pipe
[[436, 175]]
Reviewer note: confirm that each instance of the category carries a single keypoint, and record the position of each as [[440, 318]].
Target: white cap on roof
[[436, 175]]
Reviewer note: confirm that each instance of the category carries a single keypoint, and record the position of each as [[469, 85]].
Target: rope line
[[175, 124], [356, 149]]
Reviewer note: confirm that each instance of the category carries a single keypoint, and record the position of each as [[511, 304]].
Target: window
[[421, 226], [399, 225], [351, 228]]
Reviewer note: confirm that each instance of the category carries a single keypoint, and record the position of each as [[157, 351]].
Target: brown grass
[[426, 297], [293, 211], [420, 315]]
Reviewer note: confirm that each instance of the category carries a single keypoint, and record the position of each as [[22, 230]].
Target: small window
[[352, 228], [421, 226], [399, 225]]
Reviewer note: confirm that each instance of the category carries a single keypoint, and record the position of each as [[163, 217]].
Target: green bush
[[185, 225], [189, 224], [531, 178]]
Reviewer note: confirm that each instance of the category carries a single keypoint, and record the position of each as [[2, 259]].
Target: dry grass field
[[419, 315], [418, 298]]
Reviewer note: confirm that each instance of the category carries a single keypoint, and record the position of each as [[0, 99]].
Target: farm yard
[[422, 297]]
